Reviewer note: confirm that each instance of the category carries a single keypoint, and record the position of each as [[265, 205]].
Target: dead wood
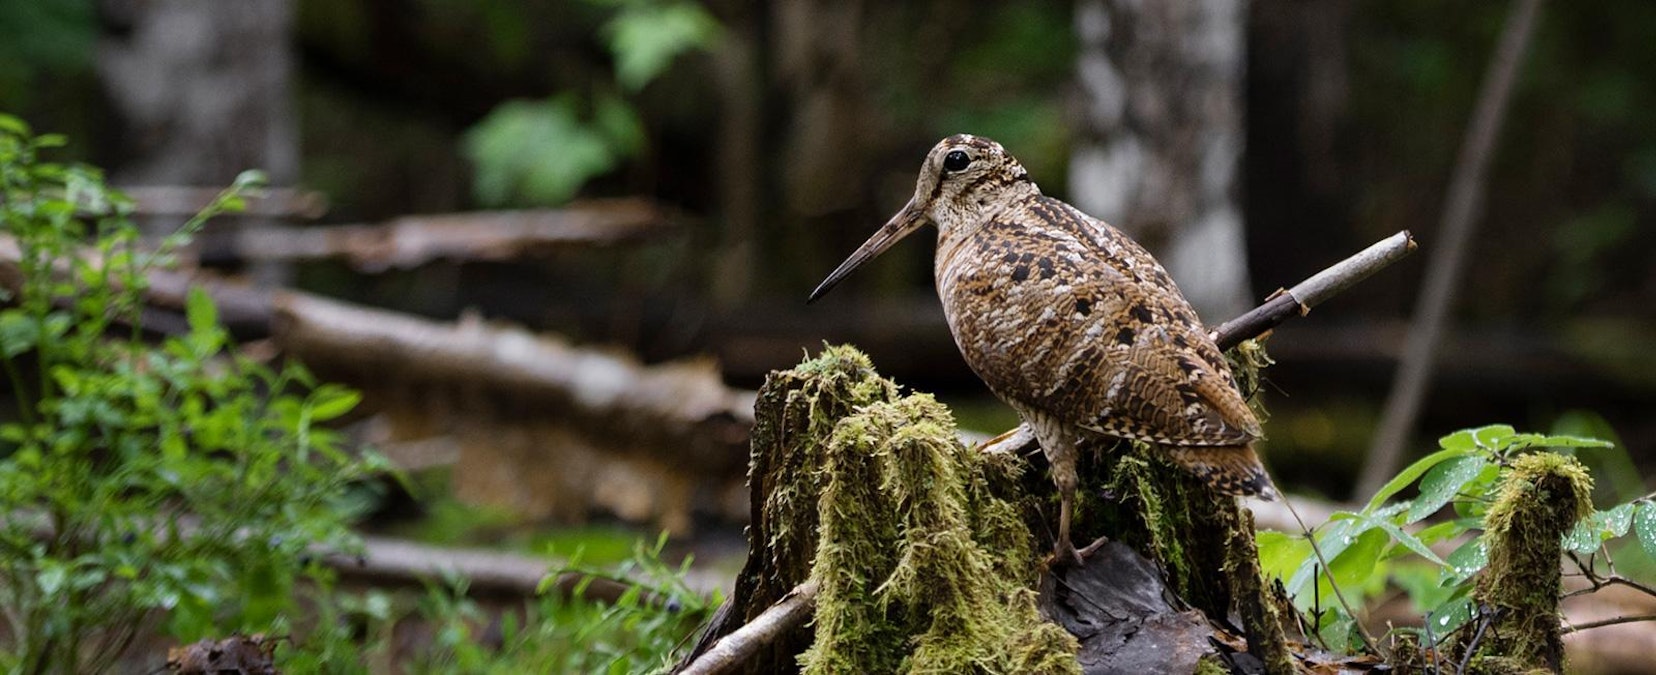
[[385, 561], [250, 654], [728, 654], [680, 411], [184, 202], [410, 241]]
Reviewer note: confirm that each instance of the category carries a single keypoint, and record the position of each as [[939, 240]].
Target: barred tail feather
[[1229, 470]]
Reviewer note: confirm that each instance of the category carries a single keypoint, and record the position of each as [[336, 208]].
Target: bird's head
[[964, 180]]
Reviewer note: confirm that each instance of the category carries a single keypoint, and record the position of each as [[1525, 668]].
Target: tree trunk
[[204, 89], [1159, 148]]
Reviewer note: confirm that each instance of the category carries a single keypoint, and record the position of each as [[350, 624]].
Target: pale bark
[[732, 651], [410, 241], [1159, 149], [204, 88]]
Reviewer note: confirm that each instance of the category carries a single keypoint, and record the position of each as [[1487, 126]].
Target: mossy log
[[1518, 630]]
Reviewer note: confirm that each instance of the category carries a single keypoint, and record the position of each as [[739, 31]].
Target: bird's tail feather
[[1230, 469]]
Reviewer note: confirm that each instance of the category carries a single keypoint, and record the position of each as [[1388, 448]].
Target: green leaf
[[1460, 440], [1441, 531], [1400, 536], [1494, 436], [1357, 568], [1467, 560], [1280, 554], [1415, 470], [1452, 614], [1569, 442], [331, 400], [13, 125], [200, 311], [1442, 483], [19, 332], [537, 152], [1644, 523], [51, 577], [1584, 537], [646, 37], [1423, 583], [1618, 519]]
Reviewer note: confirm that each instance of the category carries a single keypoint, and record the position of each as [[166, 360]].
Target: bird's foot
[[1089, 549], [1064, 553]]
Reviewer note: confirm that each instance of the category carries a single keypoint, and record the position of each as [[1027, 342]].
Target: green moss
[[794, 418], [1173, 518], [1261, 615], [802, 406], [1246, 361], [924, 568], [1543, 497], [1211, 665], [1204, 542]]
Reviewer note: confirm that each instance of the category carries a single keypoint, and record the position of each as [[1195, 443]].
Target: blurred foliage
[[645, 36], [44, 34], [541, 152], [1573, 173], [179, 482], [553, 633], [46, 63]]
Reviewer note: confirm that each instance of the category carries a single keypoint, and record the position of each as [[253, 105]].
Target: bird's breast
[[1026, 317]]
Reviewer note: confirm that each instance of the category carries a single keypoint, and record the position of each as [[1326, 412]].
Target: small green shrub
[[179, 483], [555, 632], [1388, 541]]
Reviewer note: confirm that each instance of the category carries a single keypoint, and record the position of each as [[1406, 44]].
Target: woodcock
[[1071, 323]]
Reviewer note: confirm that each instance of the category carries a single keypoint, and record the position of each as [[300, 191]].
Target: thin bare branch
[[742, 644], [1299, 300], [1460, 214], [1609, 622]]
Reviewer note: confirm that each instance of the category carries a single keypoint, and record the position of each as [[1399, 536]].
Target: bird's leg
[[1063, 551], [1058, 441]]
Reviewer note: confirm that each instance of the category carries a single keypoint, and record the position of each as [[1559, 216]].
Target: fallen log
[[385, 561], [410, 241]]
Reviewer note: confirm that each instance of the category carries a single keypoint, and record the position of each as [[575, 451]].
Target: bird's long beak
[[909, 219]]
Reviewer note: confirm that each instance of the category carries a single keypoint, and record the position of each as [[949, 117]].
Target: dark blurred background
[[1248, 144]]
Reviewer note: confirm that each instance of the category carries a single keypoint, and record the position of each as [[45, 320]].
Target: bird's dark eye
[[955, 161]]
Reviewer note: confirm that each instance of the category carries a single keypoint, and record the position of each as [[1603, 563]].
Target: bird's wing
[[1157, 376]]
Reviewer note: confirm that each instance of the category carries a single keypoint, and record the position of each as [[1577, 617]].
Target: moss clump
[[1177, 521], [794, 417], [1543, 497], [1204, 541], [924, 567]]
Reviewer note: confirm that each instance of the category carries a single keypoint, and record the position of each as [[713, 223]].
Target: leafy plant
[[562, 630], [542, 152], [177, 481], [1389, 540]]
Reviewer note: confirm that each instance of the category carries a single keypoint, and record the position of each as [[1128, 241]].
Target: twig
[[1484, 620], [1299, 300], [742, 644], [1608, 622], [1442, 274], [1362, 632]]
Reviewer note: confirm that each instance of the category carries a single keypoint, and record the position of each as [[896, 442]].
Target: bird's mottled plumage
[[1070, 322]]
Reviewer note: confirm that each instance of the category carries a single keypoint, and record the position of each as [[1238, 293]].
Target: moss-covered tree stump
[[926, 554]]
